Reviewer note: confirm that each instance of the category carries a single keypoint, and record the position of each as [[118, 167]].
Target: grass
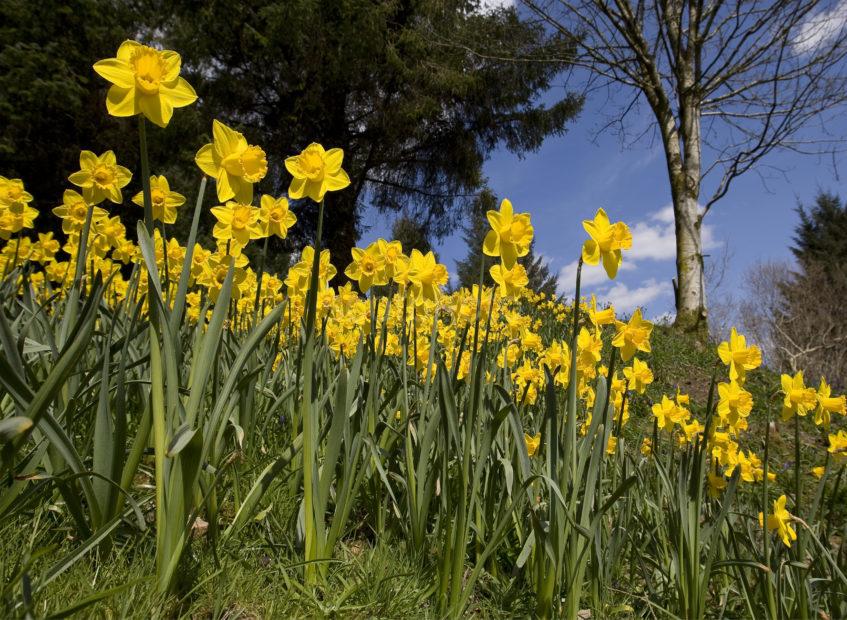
[[259, 575]]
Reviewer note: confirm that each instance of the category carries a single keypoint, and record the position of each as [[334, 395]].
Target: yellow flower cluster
[[417, 321]]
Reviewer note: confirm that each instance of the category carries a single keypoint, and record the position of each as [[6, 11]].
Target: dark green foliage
[[538, 272], [475, 229], [821, 236], [52, 104], [416, 93], [411, 234], [395, 84]]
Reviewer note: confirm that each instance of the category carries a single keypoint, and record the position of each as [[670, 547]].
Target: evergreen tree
[[475, 228], [411, 234], [417, 93], [538, 273], [821, 236]]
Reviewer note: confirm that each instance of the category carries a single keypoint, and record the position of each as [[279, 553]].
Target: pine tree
[[475, 229], [411, 234], [821, 237], [538, 273]]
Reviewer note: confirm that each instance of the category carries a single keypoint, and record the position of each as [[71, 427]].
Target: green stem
[[145, 175], [259, 275], [313, 547]]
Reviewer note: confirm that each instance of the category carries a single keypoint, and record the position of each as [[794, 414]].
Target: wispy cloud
[[821, 28], [626, 299]]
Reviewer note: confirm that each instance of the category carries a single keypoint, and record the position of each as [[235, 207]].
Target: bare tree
[[799, 319], [728, 82]]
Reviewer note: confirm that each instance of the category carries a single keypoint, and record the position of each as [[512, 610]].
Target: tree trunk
[[685, 190], [691, 294]]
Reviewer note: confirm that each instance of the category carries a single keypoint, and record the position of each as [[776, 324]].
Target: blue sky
[[573, 175]]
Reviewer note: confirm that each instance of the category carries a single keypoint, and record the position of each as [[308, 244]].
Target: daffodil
[[838, 447], [100, 177], [510, 235], [738, 356], [316, 171], [236, 222], [606, 242], [667, 413], [426, 276], [215, 270], [233, 163], [780, 520], [12, 191], [511, 281], [532, 442], [367, 268], [73, 212], [163, 200], [589, 350], [828, 404], [557, 357], [392, 255], [44, 250], [145, 81], [734, 403], [717, 484], [632, 336], [798, 399], [599, 318], [299, 275], [275, 216], [15, 217], [638, 375]]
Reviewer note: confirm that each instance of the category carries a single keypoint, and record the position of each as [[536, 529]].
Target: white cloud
[[592, 275], [627, 299], [655, 237], [821, 28], [488, 6]]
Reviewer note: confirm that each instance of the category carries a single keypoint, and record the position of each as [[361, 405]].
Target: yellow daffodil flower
[[828, 404], [838, 447], [734, 403], [638, 375], [100, 177], [780, 520], [632, 336], [511, 281], [606, 242], [532, 442], [799, 399], [367, 268], [12, 191], [316, 172], [237, 222], [276, 216], [162, 199], [426, 276], [145, 81], [510, 235], [233, 163], [73, 212], [738, 356]]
